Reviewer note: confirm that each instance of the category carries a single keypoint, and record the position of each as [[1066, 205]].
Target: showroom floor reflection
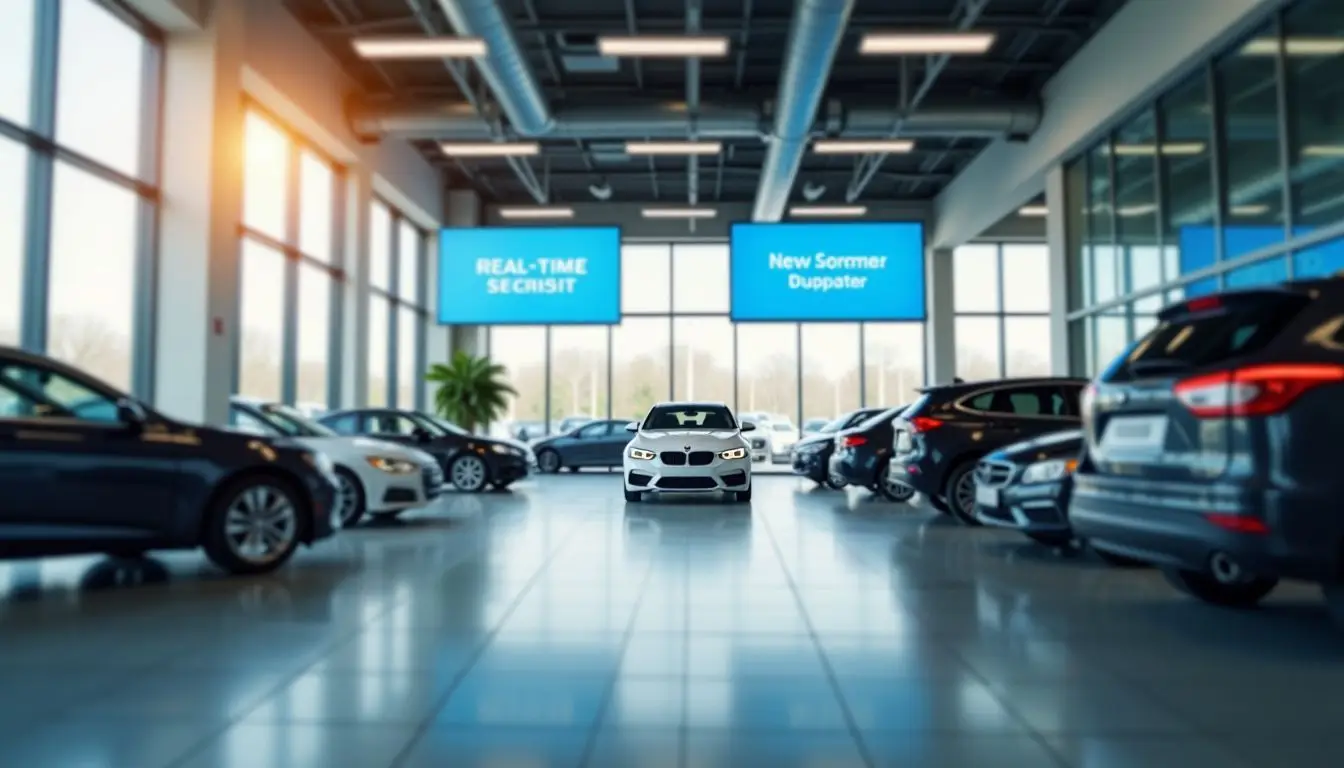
[[554, 626]]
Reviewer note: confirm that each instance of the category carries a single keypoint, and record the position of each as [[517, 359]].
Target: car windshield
[[690, 417], [839, 424], [886, 415], [291, 422], [450, 427]]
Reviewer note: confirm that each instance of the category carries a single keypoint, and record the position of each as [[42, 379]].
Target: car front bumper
[[858, 468], [814, 465], [1035, 508], [720, 475]]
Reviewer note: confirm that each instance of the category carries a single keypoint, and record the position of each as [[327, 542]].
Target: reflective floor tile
[[443, 747], [763, 703], [650, 654], [576, 654], [95, 742], [774, 748], [1183, 751], [169, 696], [646, 703], [521, 699], [635, 748], [291, 745], [354, 697], [386, 648], [868, 657], [937, 706], [1080, 708], [1267, 749], [755, 655], [946, 750]]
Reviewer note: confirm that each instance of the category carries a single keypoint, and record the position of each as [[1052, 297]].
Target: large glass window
[[1186, 119], [641, 354], [262, 315], [408, 363], [265, 176], [1136, 221], [1001, 297], [893, 356], [16, 59], [92, 275], [522, 352], [13, 209], [99, 94], [314, 335], [700, 278], [646, 279], [317, 188], [380, 329], [1103, 282], [380, 246], [1253, 175], [408, 262], [703, 359], [578, 372], [767, 369], [832, 377]]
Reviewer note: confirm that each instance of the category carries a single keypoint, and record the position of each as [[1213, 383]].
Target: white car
[[759, 443], [783, 436], [688, 448], [376, 477]]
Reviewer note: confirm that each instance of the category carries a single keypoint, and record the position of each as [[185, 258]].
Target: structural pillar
[[197, 316], [355, 260], [464, 210], [1056, 238], [437, 338], [940, 330]]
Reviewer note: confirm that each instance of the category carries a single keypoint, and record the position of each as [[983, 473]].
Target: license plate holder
[[987, 497], [1135, 433]]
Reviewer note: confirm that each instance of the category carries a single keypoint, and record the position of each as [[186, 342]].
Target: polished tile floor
[[554, 626]]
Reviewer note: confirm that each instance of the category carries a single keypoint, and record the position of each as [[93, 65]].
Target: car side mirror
[[747, 426], [131, 413], [632, 427], [421, 436]]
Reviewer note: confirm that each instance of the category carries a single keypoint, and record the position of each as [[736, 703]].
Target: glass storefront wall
[[1001, 299], [676, 341], [1233, 178]]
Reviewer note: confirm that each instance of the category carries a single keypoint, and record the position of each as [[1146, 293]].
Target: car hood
[[1056, 445], [688, 439]]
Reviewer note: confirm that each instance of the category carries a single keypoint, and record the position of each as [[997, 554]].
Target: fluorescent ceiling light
[[1033, 210], [538, 212], [1295, 46], [1323, 150], [673, 147], [680, 213], [1250, 210], [666, 47], [1136, 210], [804, 211], [925, 43], [419, 47], [862, 146], [490, 148], [1148, 150]]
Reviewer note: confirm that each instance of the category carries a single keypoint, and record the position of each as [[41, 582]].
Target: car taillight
[[1238, 523], [1261, 390], [921, 424], [1203, 304], [853, 441]]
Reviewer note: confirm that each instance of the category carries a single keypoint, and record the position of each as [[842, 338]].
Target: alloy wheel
[[549, 461], [897, 491], [964, 494], [261, 524], [349, 499], [469, 473]]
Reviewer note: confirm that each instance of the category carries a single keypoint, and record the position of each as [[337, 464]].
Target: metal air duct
[[504, 68]]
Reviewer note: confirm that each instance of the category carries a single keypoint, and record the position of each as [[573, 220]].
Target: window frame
[[395, 302], [1002, 315]]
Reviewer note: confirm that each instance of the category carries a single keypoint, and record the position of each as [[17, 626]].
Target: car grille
[[1043, 515], [433, 478], [700, 458], [673, 458], [994, 474], [686, 483]]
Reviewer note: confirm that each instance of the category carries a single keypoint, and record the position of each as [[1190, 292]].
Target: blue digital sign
[[1198, 246], [530, 276], [852, 271]]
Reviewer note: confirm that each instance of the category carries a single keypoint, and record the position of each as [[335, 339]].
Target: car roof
[[970, 386], [691, 404]]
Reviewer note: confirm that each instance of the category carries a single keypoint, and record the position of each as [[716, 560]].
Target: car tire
[[1118, 561], [245, 507], [634, 497], [959, 491], [893, 491], [352, 498], [742, 497], [1052, 540], [548, 461], [469, 473], [1206, 588], [834, 482]]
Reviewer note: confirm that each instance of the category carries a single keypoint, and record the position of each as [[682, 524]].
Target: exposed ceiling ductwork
[[504, 67], [818, 27]]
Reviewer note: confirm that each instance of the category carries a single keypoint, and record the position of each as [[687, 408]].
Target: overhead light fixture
[[537, 212], [490, 148], [1130, 211], [862, 146], [1148, 150], [925, 43], [419, 47], [1033, 210], [1301, 47], [663, 46], [825, 211], [680, 213], [1258, 209], [673, 147], [1323, 150]]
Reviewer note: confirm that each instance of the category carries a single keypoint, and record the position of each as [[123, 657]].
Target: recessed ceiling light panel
[[663, 47], [419, 47], [925, 43]]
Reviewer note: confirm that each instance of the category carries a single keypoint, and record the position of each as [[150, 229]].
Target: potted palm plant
[[471, 391]]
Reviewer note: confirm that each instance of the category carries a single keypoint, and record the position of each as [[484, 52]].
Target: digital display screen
[[850, 271], [530, 276]]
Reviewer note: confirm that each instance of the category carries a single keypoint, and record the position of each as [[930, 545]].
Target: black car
[[85, 468], [1213, 445], [595, 444], [471, 462], [1026, 486], [862, 454], [944, 434], [812, 455]]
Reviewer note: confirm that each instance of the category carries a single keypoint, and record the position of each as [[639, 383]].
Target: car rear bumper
[[1036, 508], [857, 468], [918, 472], [1302, 541], [813, 465]]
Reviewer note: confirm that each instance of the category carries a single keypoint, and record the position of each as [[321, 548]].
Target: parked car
[[687, 447], [812, 455], [783, 436], [943, 435], [571, 423], [862, 456], [758, 443], [814, 426], [595, 444], [1026, 486], [376, 477], [86, 468], [471, 462], [1211, 445]]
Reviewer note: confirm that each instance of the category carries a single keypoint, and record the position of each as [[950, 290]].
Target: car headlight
[[1048, 471], [734, 453], [507, 450], [392, 466], [641, 454]]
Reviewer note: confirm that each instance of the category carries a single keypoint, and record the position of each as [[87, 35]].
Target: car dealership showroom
[[671, 383]]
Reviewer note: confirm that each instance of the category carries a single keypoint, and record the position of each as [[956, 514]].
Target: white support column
[[464, 210], [197, 317], [1056, 238], [437, 337], [355, 368], [941, 332]]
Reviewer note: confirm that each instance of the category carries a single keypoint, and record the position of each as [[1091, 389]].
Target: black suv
[[862, 455], [940, 438], [1211, 445]]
